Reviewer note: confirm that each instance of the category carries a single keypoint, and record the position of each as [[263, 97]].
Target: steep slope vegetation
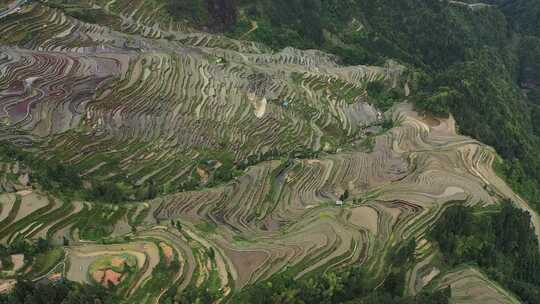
[[469, 59]]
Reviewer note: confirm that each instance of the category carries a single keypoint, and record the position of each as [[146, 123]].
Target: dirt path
[[472, 5], [254, 27], [12, 7]]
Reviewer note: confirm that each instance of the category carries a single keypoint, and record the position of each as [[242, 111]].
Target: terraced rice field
[[471, 286], [120, 102], [171, 103]]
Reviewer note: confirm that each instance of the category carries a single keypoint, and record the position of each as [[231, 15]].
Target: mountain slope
[[183, 166]]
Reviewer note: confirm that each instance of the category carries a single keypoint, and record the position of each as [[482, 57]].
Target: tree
[[26, 292], [211, 253], [503, 244], [345, 195]]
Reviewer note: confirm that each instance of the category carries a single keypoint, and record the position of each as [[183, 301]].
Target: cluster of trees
[[50, 174], [27, 292], [523, 14], [39, 253], [503, 244], [382, 97], [297, 23], [76, 10], [351, 286], [191, 10], [113, 191], [519, 180], [192, 294], [255, 159], [218, 15], [64, 180], [30, 250], [25, 247], [423, 33]]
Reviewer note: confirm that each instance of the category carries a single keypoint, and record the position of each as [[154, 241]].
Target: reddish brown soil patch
[[167, 251], [112, 277], [107, 277], [55, 277]]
